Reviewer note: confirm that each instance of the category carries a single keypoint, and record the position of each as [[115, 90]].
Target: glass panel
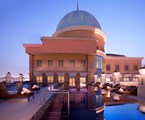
[[108, 79], [39, 79], [126, 67], [72, 63], [135, 67], [72, 82], [50, 63], [39, 63], [107, 67], [50, 79], [82, 81], [60, 63], [135, 79], [61, 79], [99, 61], [125, 79], [83, 63], [117, 67]]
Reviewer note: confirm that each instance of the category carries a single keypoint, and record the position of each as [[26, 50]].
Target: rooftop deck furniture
[[4, 94], [33, 87]]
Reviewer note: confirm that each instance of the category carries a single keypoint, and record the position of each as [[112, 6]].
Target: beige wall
[[78, 68], [85, 34], [122, 62], [141, 86], [77, 33], [56, 58]]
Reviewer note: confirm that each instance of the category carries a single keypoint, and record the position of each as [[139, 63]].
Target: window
[[125, 79], [117, 67], [60, 63], [107, 67], [135, 67], [83, 63], [39, 79], [72, 82], [99, 62], [50, 79], [141, 83], [39, 63], [135, 79], [82, 82], [126, 67], [72, 63], [108, 79], [61, 79], [50, 63]]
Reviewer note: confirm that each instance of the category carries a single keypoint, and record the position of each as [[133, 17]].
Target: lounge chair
[[4, 94], [33, 87]]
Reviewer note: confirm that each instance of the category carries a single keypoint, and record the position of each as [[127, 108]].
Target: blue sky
[[25, 21]]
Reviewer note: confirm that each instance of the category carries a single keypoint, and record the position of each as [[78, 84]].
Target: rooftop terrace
[[21, 109]]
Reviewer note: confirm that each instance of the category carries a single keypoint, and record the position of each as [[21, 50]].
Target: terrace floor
[[123, 99], [21, 109]]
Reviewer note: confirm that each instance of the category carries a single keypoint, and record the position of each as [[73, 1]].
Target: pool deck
[[123, 99], [21, 109]]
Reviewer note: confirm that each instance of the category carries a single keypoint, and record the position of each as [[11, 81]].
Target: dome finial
[[77, 6]]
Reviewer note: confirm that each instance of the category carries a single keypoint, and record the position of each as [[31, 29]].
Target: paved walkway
[[20, 109]]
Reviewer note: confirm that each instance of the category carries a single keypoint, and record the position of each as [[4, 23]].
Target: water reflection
[[100, 116]]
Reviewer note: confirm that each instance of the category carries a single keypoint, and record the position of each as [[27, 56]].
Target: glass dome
[[78, 18]]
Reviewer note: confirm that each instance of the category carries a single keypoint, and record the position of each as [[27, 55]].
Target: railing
[[14, 79], [129, 79]]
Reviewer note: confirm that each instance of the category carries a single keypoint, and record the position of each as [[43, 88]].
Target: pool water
[[123, 112], [13, 87]]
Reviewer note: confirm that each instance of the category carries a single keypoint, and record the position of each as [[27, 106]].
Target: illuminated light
[[108, 94]]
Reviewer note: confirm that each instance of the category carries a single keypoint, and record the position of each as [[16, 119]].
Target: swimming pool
[[13, 87], [123, 112]]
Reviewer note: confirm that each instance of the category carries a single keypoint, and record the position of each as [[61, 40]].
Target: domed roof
[[78, 18]]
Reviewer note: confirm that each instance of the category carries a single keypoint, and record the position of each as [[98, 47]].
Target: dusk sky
[[25, 21]]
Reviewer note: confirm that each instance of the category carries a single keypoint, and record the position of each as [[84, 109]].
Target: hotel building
[[75, 54]]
